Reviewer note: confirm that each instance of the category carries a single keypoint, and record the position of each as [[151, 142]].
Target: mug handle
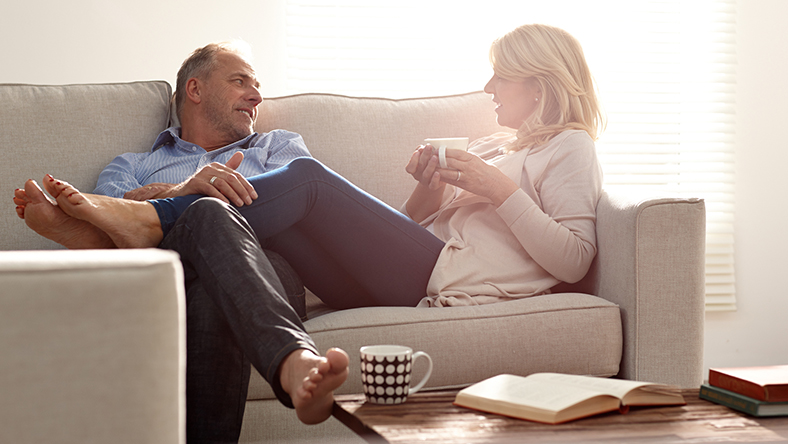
[[426, 377]]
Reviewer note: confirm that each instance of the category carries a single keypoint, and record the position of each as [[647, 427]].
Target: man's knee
[[212, 214], [210, 209], [206, 206]]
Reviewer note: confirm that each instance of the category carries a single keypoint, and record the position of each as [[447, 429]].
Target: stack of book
[[758, 391]]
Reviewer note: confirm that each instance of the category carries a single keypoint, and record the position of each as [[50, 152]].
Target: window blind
[[665, 71]]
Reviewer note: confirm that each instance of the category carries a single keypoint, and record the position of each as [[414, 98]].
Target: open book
[[555, 398]]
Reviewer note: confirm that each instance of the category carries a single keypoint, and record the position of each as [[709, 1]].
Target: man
[[236, 306], [217, 113]]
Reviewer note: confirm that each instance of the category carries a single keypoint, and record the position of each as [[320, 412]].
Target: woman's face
[[516, 100]]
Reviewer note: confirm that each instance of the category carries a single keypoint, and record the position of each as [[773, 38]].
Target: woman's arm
[[559, 233]]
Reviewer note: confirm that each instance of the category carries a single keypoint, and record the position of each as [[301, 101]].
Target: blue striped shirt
[[173, 160]]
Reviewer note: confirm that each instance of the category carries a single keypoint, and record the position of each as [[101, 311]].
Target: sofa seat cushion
[[567, 332]]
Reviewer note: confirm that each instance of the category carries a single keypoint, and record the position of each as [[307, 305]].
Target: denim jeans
[[237, 313], [350, 249]]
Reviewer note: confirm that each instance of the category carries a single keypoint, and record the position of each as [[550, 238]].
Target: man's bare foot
[[310, 381], [130, 224], [46, 218]]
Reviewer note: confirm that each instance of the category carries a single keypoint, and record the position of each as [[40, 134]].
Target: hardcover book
[[554, 398], [742, 403], [765, 383]]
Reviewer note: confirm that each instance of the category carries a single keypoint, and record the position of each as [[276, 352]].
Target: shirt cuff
[[515, 206]]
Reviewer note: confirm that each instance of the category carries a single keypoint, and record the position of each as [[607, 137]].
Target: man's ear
[[194, 90]]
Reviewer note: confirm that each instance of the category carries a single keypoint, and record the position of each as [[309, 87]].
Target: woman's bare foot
[[46, 218], [310, 381], [130, 224]]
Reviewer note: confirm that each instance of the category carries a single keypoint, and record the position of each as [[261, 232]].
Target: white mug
[[450, 143], [386, 373]]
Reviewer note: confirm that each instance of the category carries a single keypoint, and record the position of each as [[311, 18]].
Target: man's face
[[231, 97]]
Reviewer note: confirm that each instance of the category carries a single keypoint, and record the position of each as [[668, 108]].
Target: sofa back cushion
[[74, 131], [370, 140], [71, 132]]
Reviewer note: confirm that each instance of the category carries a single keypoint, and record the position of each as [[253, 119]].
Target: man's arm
[[277, 148], [216, 180], [283, 147], [118, 177], [150, 191]]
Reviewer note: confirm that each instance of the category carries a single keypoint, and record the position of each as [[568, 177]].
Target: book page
[[556, 398], [764, 375], [540, 394], [614, 387]]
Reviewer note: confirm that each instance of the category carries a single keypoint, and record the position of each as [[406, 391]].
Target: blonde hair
[[555, 59]]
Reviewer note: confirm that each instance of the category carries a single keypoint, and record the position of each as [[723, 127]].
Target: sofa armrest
[[651, 263], [91, 346]]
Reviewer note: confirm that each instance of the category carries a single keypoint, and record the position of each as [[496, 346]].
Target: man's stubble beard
[[223, 123]]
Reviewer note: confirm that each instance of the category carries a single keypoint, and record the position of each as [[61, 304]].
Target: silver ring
[[213, 179], [459, 174]]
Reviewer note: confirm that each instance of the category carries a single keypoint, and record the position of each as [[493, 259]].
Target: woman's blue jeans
[[350, 249]]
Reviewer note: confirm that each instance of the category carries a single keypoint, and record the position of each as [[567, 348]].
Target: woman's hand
[[423, 166], [465, 170], [469, 172], [426, 197]]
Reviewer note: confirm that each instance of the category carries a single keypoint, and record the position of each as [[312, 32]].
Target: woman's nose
[[488, 88]]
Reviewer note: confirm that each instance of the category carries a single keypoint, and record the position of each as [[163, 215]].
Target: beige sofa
[[102, 329]]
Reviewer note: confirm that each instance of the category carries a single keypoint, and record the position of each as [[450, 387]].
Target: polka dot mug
[[386, 373]]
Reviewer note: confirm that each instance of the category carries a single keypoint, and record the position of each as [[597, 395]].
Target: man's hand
[[214, 180]]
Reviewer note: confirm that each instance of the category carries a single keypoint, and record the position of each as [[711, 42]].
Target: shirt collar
[[169, 136], [172, 136]]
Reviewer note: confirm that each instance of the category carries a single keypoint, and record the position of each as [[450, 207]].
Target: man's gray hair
[[201, 64]]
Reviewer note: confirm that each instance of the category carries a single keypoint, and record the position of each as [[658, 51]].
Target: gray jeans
[[237, 313]]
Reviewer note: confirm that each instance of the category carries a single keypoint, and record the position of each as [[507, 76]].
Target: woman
[[511, 218], [524, 220]]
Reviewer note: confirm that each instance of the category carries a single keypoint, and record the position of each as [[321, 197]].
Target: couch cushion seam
[[434, 321]]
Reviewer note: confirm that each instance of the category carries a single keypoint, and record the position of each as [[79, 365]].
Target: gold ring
[[213, 179]]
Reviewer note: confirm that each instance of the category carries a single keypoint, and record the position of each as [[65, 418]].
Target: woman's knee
[[307, 166]]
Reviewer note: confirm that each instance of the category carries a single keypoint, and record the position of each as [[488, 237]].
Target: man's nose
[[255, 97]]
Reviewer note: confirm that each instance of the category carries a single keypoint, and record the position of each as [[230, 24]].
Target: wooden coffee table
[[430, 417]]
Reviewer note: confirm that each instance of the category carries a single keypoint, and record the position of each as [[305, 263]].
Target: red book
[[766, 383]]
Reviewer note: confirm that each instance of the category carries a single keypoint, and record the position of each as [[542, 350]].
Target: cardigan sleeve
[[559, 232]]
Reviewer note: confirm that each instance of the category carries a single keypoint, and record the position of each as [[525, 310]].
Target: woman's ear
[[536, 89]]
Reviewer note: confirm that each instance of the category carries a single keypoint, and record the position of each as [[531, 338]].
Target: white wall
[[758, 332], [50, 41], [83, 41]]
